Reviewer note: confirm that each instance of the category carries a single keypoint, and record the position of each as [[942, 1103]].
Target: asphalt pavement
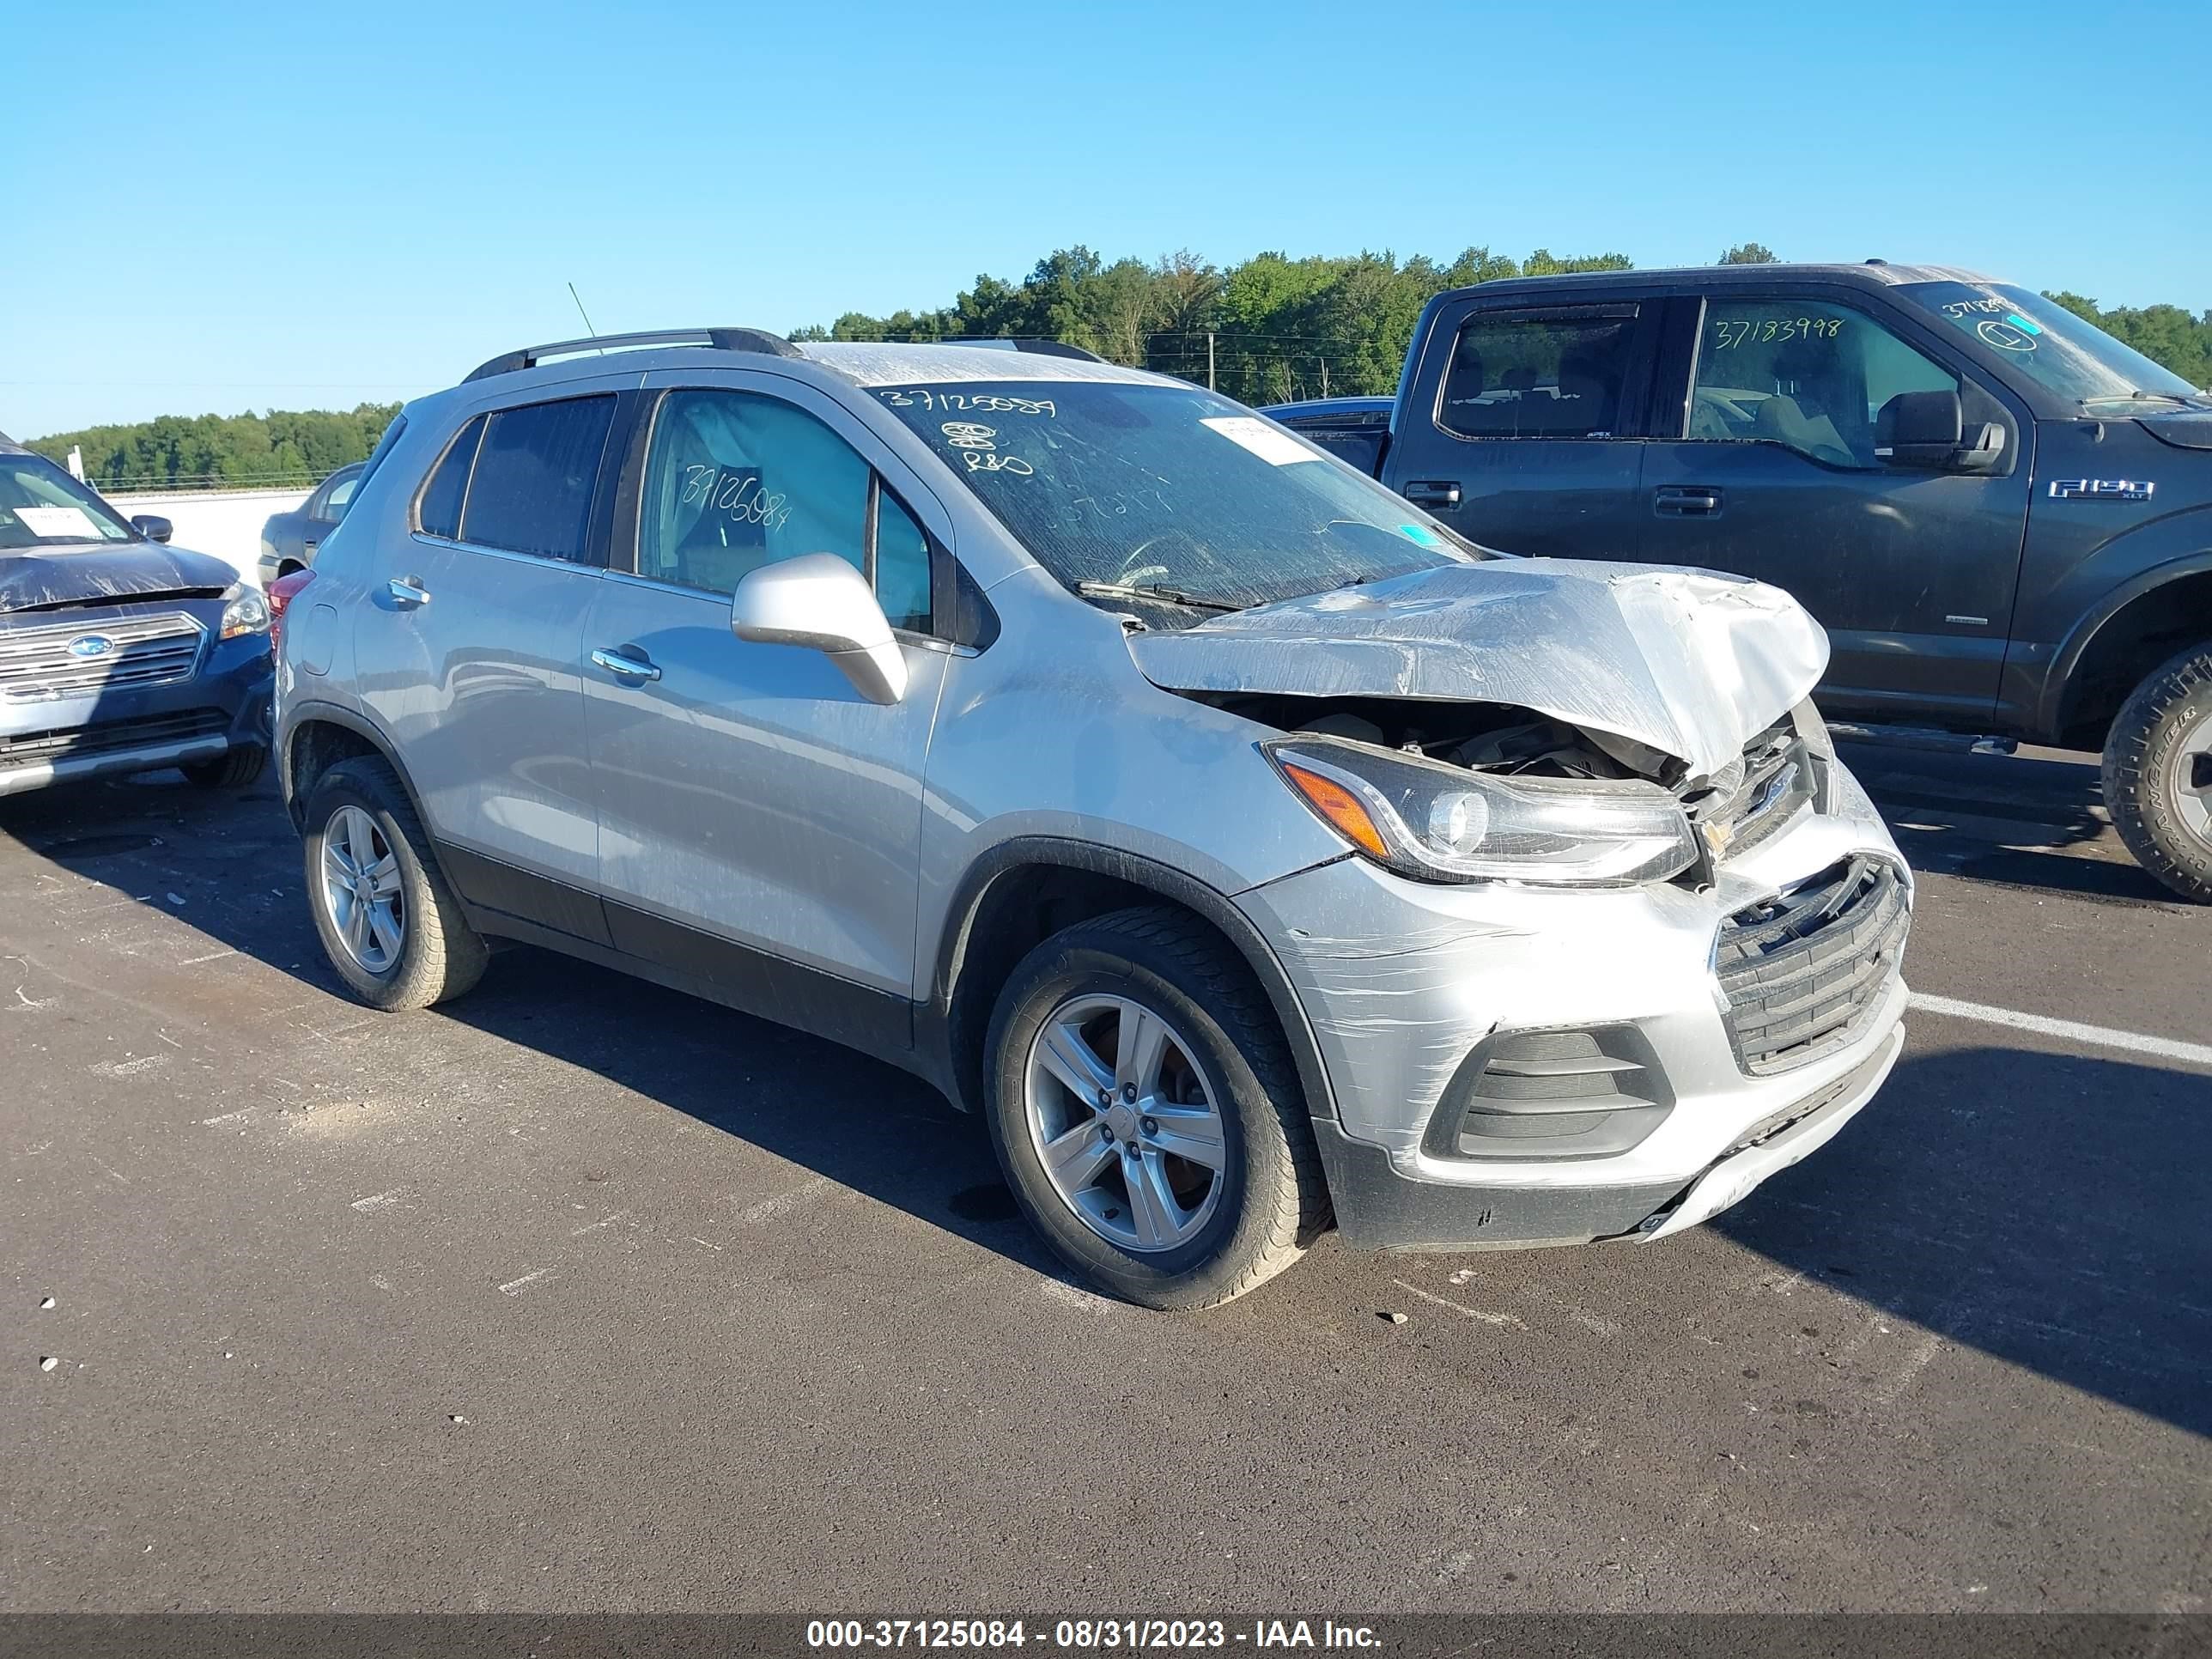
[[580, 1295]]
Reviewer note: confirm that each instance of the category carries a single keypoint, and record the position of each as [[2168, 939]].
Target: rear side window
[[1539, 374], [438, 512], [536, 470]]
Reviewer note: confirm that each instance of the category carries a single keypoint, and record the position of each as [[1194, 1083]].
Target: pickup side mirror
[[152, 526], [819, 601], [1923, 431]]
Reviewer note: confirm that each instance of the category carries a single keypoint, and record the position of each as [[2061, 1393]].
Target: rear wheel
[[233, 770], [1147, 1115], [388, 920], [2158, 773]]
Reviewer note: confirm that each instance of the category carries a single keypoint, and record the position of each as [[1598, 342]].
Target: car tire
[[233, 770], [2158, 773], [358, 818], [1223, 1075]]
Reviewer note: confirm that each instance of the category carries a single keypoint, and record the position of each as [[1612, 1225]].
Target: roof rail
[[1027, 343], [718, 339]]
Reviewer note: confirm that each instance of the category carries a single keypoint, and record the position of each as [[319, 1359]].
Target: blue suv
[[118, 652]]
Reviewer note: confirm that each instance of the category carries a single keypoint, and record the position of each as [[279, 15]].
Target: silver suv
[[1249, 849]]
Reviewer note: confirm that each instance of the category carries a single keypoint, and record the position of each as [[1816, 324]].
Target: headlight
[[1438, 822], [244, 611]]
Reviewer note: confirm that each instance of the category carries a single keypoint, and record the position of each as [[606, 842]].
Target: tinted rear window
[[438, 512], [1538, 374], [536, 470]]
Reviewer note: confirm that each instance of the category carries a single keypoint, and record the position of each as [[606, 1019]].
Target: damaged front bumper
[[1514, 1066]]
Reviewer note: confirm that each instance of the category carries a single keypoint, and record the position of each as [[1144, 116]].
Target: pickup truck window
[[2051, 345], [1808, 374], [1538, 374]]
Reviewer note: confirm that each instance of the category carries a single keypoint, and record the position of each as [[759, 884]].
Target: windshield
[[41, 505], [1169, 490], [2049, 343]]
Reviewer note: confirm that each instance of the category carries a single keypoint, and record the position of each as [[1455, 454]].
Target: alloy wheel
[[362, 892], [1125, 1122]]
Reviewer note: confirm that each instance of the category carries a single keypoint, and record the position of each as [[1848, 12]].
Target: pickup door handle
[[627, 666], [1433, 492], [1685, 501], [407, 590]]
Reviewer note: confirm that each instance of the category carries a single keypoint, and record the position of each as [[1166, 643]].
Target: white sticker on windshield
[[1269, 442], [51, 522]]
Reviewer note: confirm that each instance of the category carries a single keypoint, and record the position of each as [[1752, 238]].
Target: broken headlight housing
[[1435, 822]]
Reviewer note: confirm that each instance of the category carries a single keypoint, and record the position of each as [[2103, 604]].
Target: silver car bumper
[[1587, 1035]]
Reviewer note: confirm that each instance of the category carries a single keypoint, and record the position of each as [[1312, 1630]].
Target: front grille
[[1551, 1094], [1801, 970], [37, 665], [105, 737]]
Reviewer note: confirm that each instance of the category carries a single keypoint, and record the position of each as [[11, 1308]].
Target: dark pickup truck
[[2002, 514]]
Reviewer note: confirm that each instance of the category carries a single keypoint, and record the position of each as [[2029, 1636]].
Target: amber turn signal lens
[[1340, 807]]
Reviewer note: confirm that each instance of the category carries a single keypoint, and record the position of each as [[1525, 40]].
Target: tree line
[[213, 452], [1274, 329], [1269, 329]]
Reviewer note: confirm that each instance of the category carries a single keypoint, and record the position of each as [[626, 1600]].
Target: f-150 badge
[[2101, 489]]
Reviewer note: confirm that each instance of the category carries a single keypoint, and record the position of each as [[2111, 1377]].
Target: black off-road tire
[[2143, 759], [233, 770], [1276, 1200], [441, 956]]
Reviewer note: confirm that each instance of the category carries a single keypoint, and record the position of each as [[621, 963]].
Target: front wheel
[[2158, 773], [1146, 1114]]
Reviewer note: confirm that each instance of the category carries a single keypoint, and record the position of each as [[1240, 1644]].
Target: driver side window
[[1808, 374], [734, 481]]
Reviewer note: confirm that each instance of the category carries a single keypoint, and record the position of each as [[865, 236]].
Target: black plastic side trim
[[507, 902], [933, 1031], [788, 993], [883, 1040], [1379, 1209], [495, 890]]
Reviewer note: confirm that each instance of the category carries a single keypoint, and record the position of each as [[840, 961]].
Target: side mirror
[[819, 601], [152, 526], [1923, 431]]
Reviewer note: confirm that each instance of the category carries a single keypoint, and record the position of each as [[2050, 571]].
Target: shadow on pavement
[[2034, 822], [2047, 1209]]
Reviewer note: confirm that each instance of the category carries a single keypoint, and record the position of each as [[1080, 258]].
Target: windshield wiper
[[2186, 400], [1147, 591]]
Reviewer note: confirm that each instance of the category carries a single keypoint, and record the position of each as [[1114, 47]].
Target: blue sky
[[221, 207]]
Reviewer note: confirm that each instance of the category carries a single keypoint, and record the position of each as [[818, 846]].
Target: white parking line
[[2101, 1037]]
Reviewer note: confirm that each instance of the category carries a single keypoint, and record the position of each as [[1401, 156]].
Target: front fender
[[2123, 570]]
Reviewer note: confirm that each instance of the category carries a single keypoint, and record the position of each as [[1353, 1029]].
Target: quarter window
[[439, 511], [1539, 374], [734, 481], [1807, 374], [536, 470], [341, 497]]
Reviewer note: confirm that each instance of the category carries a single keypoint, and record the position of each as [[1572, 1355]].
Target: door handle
[[1686, 501], [628, 668], [407, 590], [1433, 492]]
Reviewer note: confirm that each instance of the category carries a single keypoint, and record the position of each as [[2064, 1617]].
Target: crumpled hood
[[92, 572], [1688, 662]]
